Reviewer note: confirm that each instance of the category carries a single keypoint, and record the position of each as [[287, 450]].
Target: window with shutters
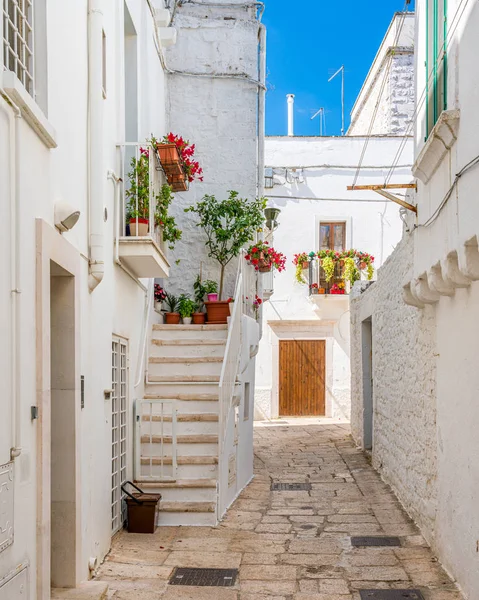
[[436, 61]]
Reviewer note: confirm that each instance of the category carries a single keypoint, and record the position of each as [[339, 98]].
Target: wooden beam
[[389, 186], [397, 200]]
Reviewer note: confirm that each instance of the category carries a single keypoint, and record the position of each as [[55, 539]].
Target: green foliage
[[351, 271], [211, 287], [138, 196], [171, 233], [172, 302], [370, 270], [186, 306], [328, 265], [229, 225]]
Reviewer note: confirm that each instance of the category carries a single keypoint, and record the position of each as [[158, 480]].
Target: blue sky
[[307, 41]]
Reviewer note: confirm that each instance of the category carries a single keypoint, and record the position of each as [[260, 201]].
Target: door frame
[[301, 331], [51, 247]]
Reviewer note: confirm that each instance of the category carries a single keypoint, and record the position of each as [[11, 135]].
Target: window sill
[[441, 139], [31, 112]]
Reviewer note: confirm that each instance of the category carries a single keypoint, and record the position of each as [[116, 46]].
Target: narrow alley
[[293, 545]]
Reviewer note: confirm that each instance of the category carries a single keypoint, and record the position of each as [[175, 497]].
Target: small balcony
[[139, 244]]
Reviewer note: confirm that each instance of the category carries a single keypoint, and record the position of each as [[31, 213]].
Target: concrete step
[[175, 332], [188, 507], [187, 390], [182, 460], [184, 427], [203, 379], [193, 397], [187, 519], [188, 347], [180, 439], [191, 490], [188, 467], [179, 483], [203, 367], [90, 590], [186, 418]]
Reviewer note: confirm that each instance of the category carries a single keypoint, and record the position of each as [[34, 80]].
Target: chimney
[[290, 98]]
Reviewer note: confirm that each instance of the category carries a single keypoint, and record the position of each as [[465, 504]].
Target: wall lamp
[[271, 215]]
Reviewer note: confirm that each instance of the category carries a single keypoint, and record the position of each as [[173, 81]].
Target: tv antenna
[[340, 70], [322, 120]]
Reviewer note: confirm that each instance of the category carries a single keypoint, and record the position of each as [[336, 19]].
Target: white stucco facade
[[434, 431], [55, 442]]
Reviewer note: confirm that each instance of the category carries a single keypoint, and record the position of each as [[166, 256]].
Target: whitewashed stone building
[[414, 334], [82, 86], [307, 179]]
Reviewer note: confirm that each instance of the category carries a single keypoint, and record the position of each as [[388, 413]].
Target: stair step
[[181, 460], [195, 507], [190, 342], [184, 378], [185, 359], [180, 483], [163, 327], [186, 418], [184, 397], [180, 439]]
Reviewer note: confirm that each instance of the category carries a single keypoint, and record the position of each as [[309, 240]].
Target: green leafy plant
[[172, 302], [351, 272], [300, 260], [186, 306], [171, 232], [229, 225], [138, 196], [211, 287], [328, 265]]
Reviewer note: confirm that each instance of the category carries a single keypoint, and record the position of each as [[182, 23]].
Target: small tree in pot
[[229, 225], [172, 317]]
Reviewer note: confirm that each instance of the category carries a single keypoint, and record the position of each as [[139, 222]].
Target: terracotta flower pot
[[305, 266], [170, 158], [139, 227], [172, 318], [179, 183], [199, 318], [218, 312], [321, 291], [362, 265]]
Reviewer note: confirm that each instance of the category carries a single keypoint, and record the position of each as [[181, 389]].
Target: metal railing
[[142, 178], [156, 440]]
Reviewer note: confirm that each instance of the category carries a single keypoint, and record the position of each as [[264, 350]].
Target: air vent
[[375, 541], [290, 487], [204, 577], [391, 595]]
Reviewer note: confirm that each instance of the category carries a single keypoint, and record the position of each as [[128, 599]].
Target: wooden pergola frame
[[381, 189]]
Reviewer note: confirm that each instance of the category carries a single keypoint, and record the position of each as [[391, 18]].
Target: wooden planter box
[[178, 183]]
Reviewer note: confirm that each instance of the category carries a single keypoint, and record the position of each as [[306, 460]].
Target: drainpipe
[[290, 98], [16, 449], [95, 144], [261, 108]]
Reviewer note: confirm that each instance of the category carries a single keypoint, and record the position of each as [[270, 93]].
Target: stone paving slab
[[289, 545]]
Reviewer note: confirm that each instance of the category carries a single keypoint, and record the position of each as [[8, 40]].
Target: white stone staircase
[[184, 371]]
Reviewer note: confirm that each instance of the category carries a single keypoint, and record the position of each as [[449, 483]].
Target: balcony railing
[[340, 283], [140, 242]]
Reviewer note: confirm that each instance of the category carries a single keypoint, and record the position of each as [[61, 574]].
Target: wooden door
[[302, 368]]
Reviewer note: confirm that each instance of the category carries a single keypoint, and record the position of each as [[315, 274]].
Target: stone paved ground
[[289, 545]]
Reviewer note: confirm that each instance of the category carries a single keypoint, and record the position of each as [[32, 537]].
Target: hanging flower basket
[[169, 158], [264, 258], [264, 265]]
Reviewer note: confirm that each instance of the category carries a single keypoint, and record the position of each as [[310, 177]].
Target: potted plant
[[172, 317], [229, 225], [160, 296], [230, 302], [211, 290], [176, 157], [301, 262], [169, 229], [138, 194], [264, 258], [200, 291], [314, 287], [186, 307]]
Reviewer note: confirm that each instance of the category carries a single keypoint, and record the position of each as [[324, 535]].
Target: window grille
[[119, 406], [18, 40]]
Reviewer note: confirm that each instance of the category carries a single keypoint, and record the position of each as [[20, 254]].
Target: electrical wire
[[422, 98], [437, 212], [405, 12]]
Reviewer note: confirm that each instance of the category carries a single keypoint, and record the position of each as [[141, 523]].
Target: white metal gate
[[119, 406]]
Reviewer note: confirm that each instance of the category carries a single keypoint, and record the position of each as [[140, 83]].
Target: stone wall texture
[[404, 388], [219, 115]]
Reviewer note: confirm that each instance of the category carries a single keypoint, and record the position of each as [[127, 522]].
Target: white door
[[119, 404]]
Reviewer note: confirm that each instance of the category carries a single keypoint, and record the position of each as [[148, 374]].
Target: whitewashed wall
[[440, 274], [324, 167], [218, 114], [116, 306]]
